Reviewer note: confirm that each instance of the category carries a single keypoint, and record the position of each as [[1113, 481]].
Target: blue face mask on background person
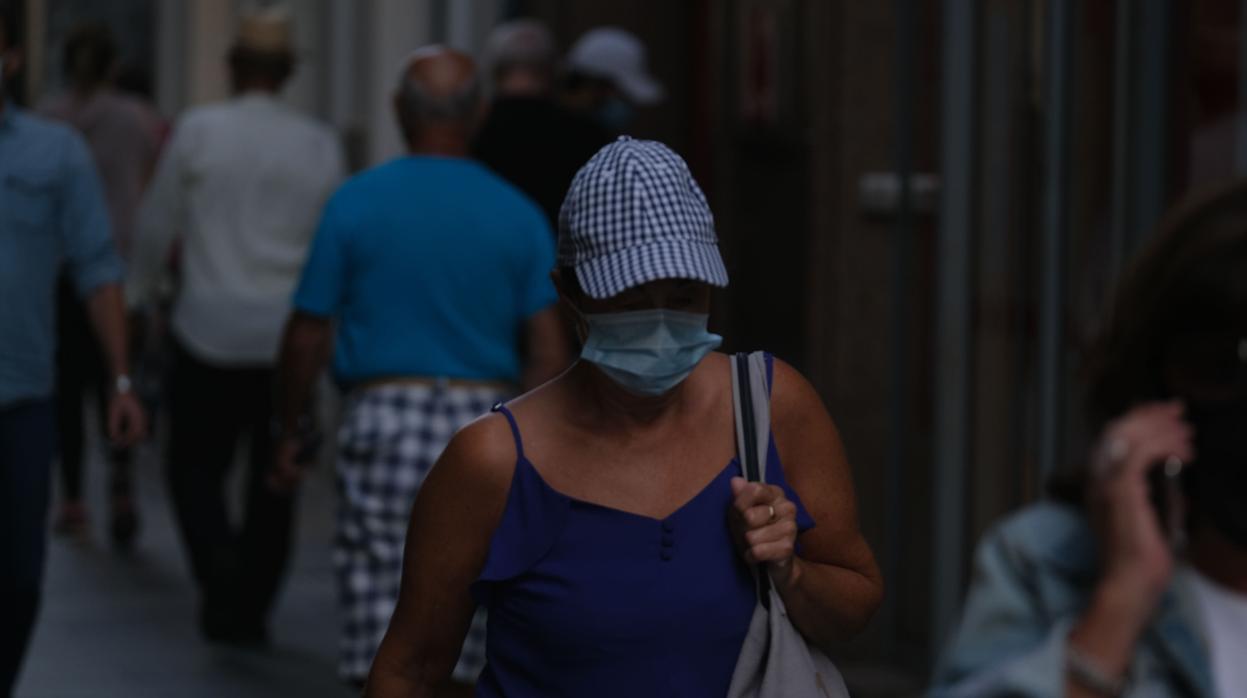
[[648, 352]]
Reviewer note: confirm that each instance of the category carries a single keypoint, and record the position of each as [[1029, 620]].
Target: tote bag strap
[[752, 408]]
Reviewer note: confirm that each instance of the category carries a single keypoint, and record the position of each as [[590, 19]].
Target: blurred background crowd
[[922, 205]]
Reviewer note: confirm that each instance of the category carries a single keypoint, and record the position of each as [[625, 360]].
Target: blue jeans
[[27, 440]]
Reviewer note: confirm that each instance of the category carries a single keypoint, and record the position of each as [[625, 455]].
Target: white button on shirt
[[1224, 616], [242, 183]]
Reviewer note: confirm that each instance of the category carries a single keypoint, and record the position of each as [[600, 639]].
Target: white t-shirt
[[1224, 616], [242, 183]]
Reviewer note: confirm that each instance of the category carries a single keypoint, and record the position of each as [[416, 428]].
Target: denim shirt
[[1033, 577], [52, 211]]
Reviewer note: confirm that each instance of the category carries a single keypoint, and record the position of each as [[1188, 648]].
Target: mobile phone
[[1164, 481]]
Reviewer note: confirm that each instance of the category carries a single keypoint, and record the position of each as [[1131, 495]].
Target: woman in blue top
[[599, 519]]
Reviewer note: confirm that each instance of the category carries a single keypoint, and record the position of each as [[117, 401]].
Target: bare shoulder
[[793, 397], [479, 461], [805, 433], [791, 392], [717, 362]]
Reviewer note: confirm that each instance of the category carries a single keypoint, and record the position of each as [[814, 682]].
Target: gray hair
[[419, 105]]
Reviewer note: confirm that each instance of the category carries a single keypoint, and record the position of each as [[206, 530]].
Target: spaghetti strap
[[515, 429], [770, 371]]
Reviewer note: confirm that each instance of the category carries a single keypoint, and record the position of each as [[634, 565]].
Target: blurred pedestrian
[[1133, 581], [124, 136], [599, 518], [122, 130], [52, 212], [527, 137], [607, 77], [242, 183], [434, 271]]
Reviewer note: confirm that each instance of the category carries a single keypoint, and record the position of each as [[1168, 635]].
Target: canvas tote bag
[[775, 660]]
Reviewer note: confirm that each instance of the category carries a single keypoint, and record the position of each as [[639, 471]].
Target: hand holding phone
[[1138, 522], [1168, 499]]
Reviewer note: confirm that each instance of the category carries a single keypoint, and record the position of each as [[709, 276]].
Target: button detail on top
[[668, 541], [666, 526], [665, 555]]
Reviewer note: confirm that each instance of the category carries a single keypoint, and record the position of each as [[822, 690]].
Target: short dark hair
[[1190, 280], [247, 64], [1188, 284]]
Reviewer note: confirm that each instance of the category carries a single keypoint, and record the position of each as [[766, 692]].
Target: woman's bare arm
[[452, 522], [835, 586]]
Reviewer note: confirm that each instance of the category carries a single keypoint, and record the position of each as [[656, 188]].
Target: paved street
[[124, 626]]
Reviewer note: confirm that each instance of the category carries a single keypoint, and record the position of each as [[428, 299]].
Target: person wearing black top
[[528, 138]]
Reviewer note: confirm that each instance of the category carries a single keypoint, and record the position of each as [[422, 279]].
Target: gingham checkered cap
[[634, 214]]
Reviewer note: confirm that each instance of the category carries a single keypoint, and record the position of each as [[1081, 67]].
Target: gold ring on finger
[[771, 509]]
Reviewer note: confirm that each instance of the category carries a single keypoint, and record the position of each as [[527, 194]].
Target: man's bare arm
[[127, 422], [305, 348]]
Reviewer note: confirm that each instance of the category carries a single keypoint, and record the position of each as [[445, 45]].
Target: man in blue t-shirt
[[436, 273]]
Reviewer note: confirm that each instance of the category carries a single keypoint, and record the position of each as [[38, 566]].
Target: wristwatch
[[1088, 674], [122, 384]]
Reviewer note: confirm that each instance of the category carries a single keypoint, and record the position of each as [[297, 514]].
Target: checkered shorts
[[389, 439]]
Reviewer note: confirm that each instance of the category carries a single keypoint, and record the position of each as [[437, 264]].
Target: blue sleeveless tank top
[[586, 600]]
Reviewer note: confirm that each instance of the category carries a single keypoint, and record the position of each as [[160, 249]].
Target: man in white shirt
[[242, 184]]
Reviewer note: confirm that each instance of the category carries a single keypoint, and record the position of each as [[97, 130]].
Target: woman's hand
[[764, 526], [1136, 558], [1137, 561]]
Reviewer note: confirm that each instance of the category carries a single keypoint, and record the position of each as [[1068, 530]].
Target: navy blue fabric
[[27, 440], [584, 599]]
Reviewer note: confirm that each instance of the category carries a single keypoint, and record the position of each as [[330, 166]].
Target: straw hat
[[267, 30]]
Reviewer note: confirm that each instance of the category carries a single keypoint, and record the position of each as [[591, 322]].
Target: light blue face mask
[[648, 352]]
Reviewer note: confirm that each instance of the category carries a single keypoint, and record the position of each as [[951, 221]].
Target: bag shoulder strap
[[751, 394], [752, 407]]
